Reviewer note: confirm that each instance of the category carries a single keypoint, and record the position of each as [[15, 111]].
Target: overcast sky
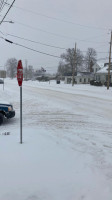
[[58, 23]]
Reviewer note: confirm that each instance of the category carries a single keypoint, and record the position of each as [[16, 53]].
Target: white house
[[81, 78], [102, 74], [84, 77], [96, 67]]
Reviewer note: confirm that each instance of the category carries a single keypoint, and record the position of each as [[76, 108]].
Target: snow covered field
[[67, 143]]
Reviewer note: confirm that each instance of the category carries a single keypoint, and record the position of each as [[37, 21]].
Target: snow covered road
[[67, 149]]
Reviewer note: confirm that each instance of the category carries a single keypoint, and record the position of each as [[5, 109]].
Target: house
[[96, 67], [80, 78], [102, 74], [68, 79], [84, 77]]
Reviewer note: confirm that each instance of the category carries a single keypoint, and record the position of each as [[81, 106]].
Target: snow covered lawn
[[67, 143]]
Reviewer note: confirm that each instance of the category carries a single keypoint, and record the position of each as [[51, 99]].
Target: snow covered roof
[[84, 74], [101, 65], [98, 65], [104, 70]]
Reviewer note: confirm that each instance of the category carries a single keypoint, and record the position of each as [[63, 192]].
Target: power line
[[40, 51], [36, 50], [97, 51], [58, 19], [7, 12], [7, 40], [52, 46], [57, 35], [29, 48]]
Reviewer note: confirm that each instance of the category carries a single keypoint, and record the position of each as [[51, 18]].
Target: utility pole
[[108, 82], [74, 66]]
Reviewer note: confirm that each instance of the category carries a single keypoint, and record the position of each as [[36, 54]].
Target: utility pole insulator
[[9, 41]]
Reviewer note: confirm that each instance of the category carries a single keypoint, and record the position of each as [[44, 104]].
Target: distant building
[[81, 78], [102, 74], [96, 67]]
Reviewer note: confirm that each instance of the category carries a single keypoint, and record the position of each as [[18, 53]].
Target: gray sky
[[58, 23]]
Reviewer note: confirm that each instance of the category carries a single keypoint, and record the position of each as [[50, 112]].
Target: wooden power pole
[[74, 66], [108, 82]]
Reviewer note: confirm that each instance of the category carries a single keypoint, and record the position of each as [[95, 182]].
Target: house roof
[[85, 74], [104, 70], [98, 65]]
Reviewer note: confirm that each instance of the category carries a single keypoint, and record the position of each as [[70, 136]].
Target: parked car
[[1, 81], [96, 83], [6, 111], [92, 82], [110, 84]]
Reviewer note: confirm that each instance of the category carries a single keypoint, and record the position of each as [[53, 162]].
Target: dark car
[[1, 81], [92, 82], [97, 83], [110, 84], [6, 111]]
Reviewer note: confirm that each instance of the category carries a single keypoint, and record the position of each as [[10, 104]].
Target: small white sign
[[2, 74]]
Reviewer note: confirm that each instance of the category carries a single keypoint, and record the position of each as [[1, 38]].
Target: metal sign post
[[3, 75], [21, 114], [20, 79]]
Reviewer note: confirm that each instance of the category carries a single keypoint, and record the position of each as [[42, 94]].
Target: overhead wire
[[11, 42], [35, 42], [58, 19], [44, 53], [48, 45], [42, 31], [26, 39], [57, 35], [37, 50]]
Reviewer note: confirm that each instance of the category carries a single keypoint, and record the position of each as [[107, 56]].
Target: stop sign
[[20, 73]]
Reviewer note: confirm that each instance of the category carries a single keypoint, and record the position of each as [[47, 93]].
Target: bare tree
[[30, 72], [68, 61], [25, 69], [11, 66], [64, 69], [90, 59]]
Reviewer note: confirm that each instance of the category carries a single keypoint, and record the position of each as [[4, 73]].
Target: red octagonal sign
[[20, 73]]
